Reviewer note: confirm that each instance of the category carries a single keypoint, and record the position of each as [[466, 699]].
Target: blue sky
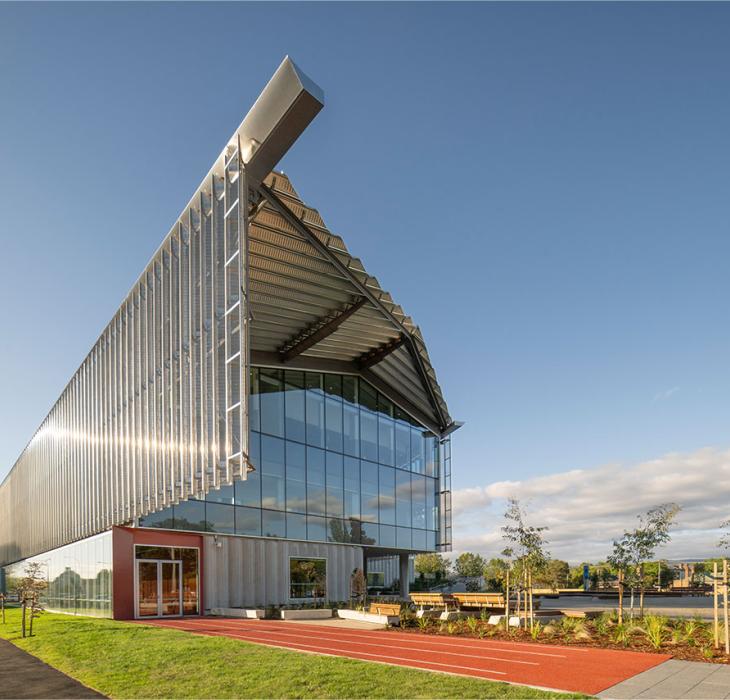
[[543, 187]]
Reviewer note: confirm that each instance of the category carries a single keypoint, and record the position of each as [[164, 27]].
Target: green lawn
[[125, 660]]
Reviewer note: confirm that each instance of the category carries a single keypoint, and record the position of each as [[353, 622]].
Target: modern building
[[258, 420]]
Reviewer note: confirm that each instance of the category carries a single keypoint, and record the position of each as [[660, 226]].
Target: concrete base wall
[[249, 572]]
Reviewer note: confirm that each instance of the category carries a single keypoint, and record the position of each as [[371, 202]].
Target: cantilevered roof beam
[[304, 230], [376, 355], [319, 331]]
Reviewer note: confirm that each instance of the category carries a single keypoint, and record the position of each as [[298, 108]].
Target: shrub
[[536, 630], [550, 629], [423, 623], [407, 617], [707, 652], [621, 634], [604, 622], [568, 624], [472, 623], [451, 628], [655, 627]]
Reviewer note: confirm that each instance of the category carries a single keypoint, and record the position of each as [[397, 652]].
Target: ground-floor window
[[307, 578]]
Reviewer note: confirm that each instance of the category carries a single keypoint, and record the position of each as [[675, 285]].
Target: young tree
[[29, 589], [621, 559], [432, 565], [637, 546], [358, 587], [653, 531], [528, 544]]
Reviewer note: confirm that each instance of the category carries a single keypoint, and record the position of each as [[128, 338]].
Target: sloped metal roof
[[302, 276]]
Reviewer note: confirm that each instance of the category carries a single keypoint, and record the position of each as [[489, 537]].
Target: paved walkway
[[576, 669], [676, 679], [24, 676]]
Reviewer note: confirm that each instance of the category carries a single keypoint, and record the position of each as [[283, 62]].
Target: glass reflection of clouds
[[79, 576], [335, 461]]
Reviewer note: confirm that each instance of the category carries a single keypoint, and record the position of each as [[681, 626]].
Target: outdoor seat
[[434, 600], [389, 609], [480, 600]]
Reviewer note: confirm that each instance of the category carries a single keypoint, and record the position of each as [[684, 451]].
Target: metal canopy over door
[[159, 588]]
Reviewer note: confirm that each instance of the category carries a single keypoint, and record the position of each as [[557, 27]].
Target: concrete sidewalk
[[675, 679], [24, 676]]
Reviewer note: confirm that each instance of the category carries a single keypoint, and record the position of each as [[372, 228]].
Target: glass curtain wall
[[335, 461], [78, 576]]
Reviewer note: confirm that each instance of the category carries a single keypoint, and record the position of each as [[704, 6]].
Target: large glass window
[[402, 498], [190, 515], [272, 401], [78, 576], [273, 473], [273, 524], [316, 499], [220, 518], [352, 488], [334, 460], [248, 521], [296, 477], [307, 578], [335, 479], [315, 410], [418, 494], [369, 488], [386, 492], [294, 402]]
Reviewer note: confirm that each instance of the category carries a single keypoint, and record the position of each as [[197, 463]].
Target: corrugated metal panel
[[289, 272]]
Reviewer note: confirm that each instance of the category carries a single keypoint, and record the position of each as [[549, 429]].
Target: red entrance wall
[[123, 541]]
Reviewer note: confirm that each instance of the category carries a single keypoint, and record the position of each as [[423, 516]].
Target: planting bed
[[689, 640]]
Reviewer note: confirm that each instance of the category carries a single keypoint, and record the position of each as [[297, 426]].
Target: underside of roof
[[313, 305]]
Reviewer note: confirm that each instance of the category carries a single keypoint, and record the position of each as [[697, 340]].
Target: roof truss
[[317, 332]]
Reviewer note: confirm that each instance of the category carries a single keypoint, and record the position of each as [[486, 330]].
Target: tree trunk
[[24, 606], [641, 601], [620, 597], [506, 602], [641, 590], [631, 606]]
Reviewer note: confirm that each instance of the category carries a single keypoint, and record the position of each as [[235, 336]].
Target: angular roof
[[311, 299]]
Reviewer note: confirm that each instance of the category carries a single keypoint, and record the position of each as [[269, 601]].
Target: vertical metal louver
[[158, 411]]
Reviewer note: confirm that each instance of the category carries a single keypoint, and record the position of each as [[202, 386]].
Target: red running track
[[575, 669]]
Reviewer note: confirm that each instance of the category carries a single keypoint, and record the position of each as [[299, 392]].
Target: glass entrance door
[[159, 588]]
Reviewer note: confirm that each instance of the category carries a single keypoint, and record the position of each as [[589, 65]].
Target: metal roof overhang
[[314, 306]]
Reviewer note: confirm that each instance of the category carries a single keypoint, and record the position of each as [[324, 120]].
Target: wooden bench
[[585, 614], [480, 600], [434, 600], [390, 609]]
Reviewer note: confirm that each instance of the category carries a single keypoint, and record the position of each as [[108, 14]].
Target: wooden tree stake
[[715, 616], [724, 605], [506, 602]]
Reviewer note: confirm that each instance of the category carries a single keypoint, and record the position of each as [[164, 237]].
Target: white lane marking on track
[[312, 628], [341, 653], [388, 646]]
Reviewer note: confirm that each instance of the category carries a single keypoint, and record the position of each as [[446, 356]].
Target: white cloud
[[585, 509], [667, 394]]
